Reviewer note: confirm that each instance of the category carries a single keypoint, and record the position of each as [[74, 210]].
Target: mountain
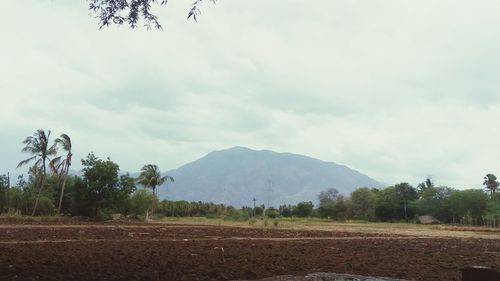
[[234, 176]]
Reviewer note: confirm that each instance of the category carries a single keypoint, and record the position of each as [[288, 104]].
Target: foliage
[[3, 193], [150, 177], [332, 204], [46, 207], [387, 205], [435, 201], [131, 11], [39, 147], [192, 209], [139, 202], [102, 191], [468, 206], [428, 183], [272, 213], [406, 194], [492, 216], [258, 211], [491, 183], [237, 216], [328, 196], [303, 209], [102, 188], [363, 204], [60, 165]]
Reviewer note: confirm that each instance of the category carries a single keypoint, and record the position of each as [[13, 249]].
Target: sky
[[398, 90]]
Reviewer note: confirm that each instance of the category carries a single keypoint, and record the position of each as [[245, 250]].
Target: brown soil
[[161, 252]]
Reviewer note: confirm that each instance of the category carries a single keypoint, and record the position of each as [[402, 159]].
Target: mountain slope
[[234, 176]]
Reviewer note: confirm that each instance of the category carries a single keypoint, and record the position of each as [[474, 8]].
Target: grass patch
[[399, 229], [18, 218]]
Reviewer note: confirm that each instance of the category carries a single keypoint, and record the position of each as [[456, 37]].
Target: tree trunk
[[40, 189], [406, 215], [62, 190], [153, 203]]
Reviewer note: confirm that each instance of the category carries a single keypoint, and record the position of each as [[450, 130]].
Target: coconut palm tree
[[61, 167], [150, 177], [38, 146], [491, 183]]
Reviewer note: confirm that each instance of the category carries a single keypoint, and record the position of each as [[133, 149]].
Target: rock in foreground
[[324, 276]]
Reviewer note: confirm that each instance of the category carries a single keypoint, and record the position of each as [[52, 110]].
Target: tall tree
[[151, 177], [363, 203], [103, 189], [38, 146], [406, 193], [328, 196], [4, 188], [332, 204], [491, 183], [428, 183], [61, 165]]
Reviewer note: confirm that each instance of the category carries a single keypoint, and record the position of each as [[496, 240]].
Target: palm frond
[[167, 178], [52, 150], [65, 141], [26, 161], [55, 165]]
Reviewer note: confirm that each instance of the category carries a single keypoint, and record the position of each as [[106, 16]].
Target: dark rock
[[476, 273], [326, 276]]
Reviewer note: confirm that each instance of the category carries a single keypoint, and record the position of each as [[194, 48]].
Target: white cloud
[[397, 90]]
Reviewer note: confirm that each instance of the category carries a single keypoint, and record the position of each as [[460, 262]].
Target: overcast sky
[[395, 89]]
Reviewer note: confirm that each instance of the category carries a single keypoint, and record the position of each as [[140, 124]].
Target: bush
[[104, 215], [271, 213], [303, 209], [45, 207], [140, 201], [492, 217], [237, 217], [258, 211], [211, 216], [286, 212]]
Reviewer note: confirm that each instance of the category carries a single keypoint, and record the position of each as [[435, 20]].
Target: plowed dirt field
[[184, 252]]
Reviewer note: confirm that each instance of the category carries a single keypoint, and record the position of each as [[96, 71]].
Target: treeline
[[102, 191], [98, 193], [402, 202]]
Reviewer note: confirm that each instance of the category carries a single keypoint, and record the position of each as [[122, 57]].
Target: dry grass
[[363, 227]]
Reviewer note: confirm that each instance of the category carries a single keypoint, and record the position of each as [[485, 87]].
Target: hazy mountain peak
[[238, 174]]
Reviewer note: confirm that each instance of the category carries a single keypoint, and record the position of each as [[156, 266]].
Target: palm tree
[[491, 183], [61, 168], [38, 146], [428, 183], [151, 177]]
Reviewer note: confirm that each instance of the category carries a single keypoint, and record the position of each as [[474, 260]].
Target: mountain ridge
[[236, 175]]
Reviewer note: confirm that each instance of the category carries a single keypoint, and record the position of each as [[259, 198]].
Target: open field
[[188, 249]]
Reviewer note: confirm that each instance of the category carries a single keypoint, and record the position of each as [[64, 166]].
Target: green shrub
[[237, 217], [272, 213], [45, 207], [104, 215], [140, 201], [211, 216]]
